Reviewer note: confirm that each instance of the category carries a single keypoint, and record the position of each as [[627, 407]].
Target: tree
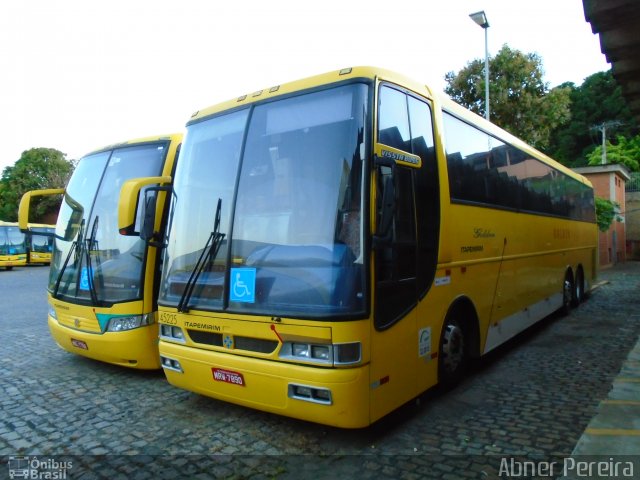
[[520, 101], [606, 213], [625, 151], [37, 168], [598, 100]]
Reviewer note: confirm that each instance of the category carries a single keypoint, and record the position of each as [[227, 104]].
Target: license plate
[[227, 376], [79, 344]]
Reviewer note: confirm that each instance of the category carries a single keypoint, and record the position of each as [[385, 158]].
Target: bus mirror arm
[[132, 201], [383, 231]]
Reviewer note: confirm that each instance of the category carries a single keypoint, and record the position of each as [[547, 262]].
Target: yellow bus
[[40, 243], [103, 281], [340, 244], [13, 247]]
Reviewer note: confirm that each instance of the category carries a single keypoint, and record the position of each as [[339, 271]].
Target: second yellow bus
[[103, 280]]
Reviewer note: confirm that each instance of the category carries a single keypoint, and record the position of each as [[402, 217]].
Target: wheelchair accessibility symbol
[[84, 278], [243, 285]]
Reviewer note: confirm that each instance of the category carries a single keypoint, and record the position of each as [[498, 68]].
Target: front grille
[[255, 344], [207, 338], [77, 322], [248, 344]]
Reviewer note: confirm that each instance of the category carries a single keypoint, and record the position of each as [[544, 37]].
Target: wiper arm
[[91, 241], [207, 256], [72, 250]]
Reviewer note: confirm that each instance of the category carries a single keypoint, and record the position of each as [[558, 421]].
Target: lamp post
[[481, 19]]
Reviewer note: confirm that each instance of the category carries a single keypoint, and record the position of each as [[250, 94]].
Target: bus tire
[[567, 294], [578, 288], [452, 358]]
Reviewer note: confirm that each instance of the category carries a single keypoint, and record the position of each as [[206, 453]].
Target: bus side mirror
[[25, 203], [132, 212], [148, 215]]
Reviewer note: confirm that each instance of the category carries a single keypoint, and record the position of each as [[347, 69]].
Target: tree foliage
[[625, 151], [606, 213], [37, 168], [598, 100], [520, 101]]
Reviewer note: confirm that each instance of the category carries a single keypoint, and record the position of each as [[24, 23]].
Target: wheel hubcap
[[567, 292], [452, 348]]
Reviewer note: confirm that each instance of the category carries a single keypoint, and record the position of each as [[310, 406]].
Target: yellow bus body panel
[[78, 325], [267, 376], [13, 260], [267, 383], [38, 257]]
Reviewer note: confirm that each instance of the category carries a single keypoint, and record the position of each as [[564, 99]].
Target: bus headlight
[[321, 352], [171, 333], [121, 324], [52, 312], [336, 354]]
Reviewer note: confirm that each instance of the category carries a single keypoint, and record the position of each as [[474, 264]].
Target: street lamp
[[481, 19]]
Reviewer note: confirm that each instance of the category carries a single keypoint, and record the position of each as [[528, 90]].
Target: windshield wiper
[[207, 256], [90, 244], [73, 249]]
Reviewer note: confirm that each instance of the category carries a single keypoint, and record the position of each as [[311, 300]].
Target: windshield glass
[[11, 241], [41, 243], [89, 252], [293, 238]]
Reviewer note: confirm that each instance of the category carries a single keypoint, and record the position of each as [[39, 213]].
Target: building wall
[[613, 246], [632, 218]]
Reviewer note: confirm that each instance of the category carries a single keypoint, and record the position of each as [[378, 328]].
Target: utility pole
[[603, 129]]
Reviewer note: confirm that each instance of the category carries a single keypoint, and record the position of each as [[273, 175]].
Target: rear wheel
[[578, 289], [453, 353]]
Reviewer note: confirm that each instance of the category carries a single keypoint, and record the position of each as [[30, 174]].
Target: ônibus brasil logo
[[38, 469]]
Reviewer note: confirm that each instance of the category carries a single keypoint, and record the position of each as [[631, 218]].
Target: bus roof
[[372, 74], [137, 141]]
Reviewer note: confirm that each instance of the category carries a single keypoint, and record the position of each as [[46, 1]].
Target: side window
[[396, 256], [427, 193], [393, 126], [485, 170]]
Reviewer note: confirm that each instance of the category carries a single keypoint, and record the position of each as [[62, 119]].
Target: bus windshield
[[12, 241], [92, 262], [41, 243], [288, 178]]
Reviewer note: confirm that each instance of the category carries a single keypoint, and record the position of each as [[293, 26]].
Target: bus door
[[405, 246]]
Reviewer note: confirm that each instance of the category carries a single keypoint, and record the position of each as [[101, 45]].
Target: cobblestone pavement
[[531, 398]]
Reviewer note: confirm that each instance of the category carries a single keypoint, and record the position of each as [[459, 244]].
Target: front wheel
[[567, 294], [453, 356]]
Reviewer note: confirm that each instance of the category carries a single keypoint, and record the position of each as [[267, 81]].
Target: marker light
[[310, 394], [171, 364]]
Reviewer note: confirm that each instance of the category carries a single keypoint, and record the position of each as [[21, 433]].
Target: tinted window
[[484, 170]]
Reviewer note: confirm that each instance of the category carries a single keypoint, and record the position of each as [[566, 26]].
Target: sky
[[77, 75]]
